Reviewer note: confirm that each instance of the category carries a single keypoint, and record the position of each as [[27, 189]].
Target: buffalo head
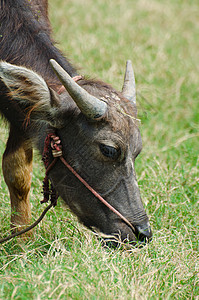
[[101, 140]]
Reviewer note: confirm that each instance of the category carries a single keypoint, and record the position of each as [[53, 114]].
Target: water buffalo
[[41, 91]]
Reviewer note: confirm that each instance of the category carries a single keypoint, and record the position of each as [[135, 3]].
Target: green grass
[[64, 260]]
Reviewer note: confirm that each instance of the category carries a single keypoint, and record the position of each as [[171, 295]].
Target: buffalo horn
[[128, 89], [89, 105]]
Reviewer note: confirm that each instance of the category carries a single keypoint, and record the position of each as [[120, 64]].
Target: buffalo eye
[[110, 151]]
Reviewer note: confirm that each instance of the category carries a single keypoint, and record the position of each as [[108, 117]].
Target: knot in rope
[[52, 142], [56, 146]]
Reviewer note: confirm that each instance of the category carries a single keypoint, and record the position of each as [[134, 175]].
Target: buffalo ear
[[31, 94]]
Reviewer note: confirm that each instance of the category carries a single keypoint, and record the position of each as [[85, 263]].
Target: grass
[[64, 260]]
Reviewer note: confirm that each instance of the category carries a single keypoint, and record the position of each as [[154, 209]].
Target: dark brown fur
[[27, 26]]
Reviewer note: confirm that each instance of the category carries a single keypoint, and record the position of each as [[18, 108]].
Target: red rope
[[96, 194], [62, 88], [55, 143], [49, 192]]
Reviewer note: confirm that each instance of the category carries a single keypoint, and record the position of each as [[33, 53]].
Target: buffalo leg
[[17, 170]]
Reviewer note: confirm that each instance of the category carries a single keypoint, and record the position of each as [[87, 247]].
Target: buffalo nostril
[[143, 232]]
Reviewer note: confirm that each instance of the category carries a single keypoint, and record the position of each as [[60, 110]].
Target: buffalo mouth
[[125, 236]]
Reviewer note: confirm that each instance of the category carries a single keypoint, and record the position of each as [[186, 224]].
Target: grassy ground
[[66, 261]]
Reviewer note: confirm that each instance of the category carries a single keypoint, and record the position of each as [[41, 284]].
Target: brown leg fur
[[17, 169]]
